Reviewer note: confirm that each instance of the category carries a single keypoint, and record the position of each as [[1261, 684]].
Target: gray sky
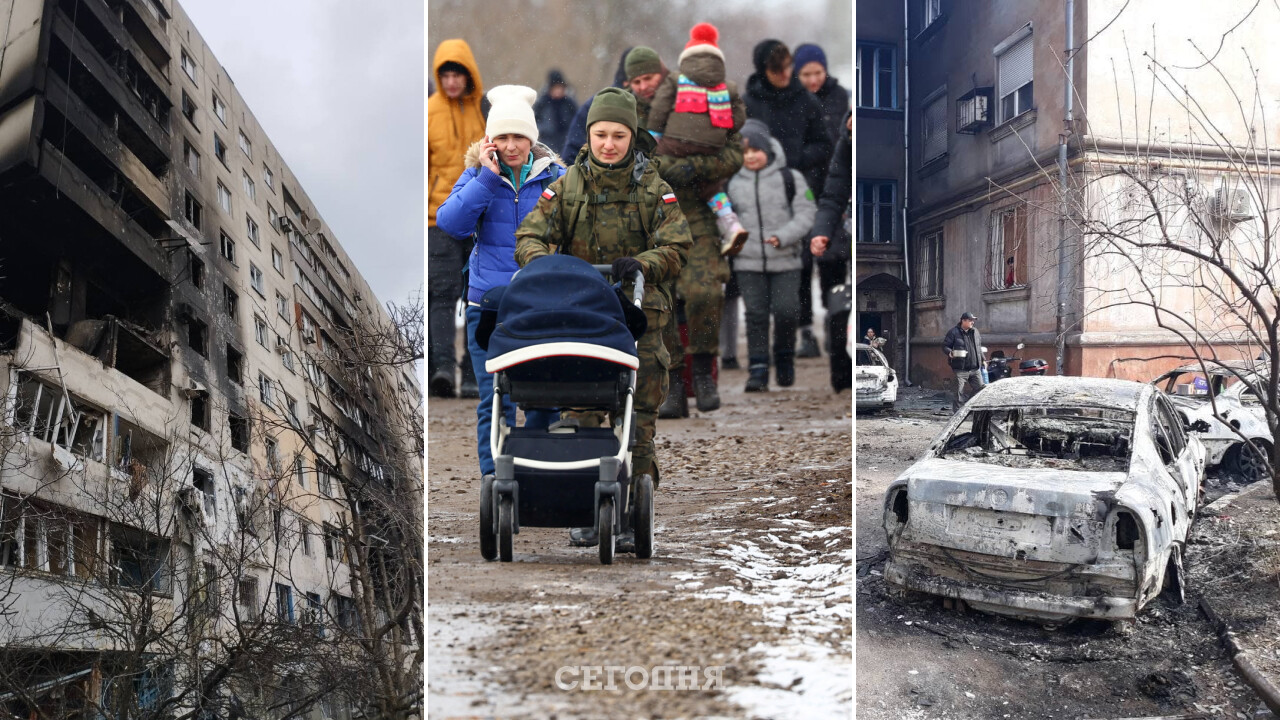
[[338, 87]]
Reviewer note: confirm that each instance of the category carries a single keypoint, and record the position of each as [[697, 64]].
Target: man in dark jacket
[[794, 117], [576, 137], [963, 346], [554, 111], [811, 71]]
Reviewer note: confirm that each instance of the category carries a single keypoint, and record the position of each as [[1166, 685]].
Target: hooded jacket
[[452, 125], [760, 199], [489, 205], [554, 116], [835, 105], [794, 117]]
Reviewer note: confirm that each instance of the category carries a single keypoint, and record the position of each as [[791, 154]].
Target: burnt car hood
[[1034, 513]]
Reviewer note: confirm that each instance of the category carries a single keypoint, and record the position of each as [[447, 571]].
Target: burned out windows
[[191, 157], [200, 409], [192, 210], [230, 302], [260, 330], [235, 365], [206, 595], [227, 247], [37, 535], [1007, 248], [45, 412], [202, 481], [238, 429], [198, 336], [333, 543], [315, 613], [140, 560], [284, 604], [196, 267], [346, 612], [189, 109], [219, 149]]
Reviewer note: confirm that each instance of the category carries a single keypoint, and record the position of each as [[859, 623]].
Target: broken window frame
[[198, 336], [284, 605], [28, 530], [189, 110], [65, 418], [272, 448], [191, 157], [202, 480], [230, 302], [219, 108], [192, 210], [238, 432], [226, 246], [220, 150], [235, 365], [188, 65], [200, 410], [141, 560], [247, 597]]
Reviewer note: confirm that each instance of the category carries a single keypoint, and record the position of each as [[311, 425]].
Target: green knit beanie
[[616, 105], [642, 61]]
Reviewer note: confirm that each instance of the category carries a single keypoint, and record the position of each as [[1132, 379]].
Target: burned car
[[875, 384], [1232, 390], [1049, 499]]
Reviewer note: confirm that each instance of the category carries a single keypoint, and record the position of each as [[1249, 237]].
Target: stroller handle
[[638, 295]]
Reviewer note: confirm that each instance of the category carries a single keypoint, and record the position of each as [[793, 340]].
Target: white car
[[875, 384], [1049, 499], [1231, 390]]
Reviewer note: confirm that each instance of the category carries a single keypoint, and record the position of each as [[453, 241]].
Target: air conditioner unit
[[282, 346], [1232, 204], [193, 389], [309, 336], [286, 225]]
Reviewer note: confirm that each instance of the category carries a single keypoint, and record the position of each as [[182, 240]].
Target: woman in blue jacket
[[505, 174]]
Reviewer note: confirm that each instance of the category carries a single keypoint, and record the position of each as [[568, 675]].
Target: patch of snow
[[800, 680]]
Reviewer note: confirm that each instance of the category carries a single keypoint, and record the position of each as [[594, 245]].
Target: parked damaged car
[[1226, 400], [875, 384], [1049, 499]]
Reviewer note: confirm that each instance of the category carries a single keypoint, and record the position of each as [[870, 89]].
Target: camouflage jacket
[[600, 215]]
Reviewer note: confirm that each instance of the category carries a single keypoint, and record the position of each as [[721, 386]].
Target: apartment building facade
[[196, 430], [995, 229], [880, 101]]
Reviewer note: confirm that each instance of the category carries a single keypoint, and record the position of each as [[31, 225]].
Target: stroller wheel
[[605, 530], [488, 539], [506, 527], [642, 519]]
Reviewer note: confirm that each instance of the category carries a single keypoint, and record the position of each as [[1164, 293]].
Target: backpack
[[789, 184], [575, 197]]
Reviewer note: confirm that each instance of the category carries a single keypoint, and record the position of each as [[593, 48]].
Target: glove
[[624, 268], [637, 323]]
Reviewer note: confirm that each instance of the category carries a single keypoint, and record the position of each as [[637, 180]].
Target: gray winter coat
[[760, 200]]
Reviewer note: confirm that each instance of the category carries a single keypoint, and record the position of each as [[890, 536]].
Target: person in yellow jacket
[[455, 120]]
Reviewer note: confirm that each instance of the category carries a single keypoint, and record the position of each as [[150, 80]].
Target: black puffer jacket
[[794, 117], [835, 105], [836, 198]]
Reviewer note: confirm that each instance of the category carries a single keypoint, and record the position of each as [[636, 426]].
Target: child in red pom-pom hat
[[693, 112]]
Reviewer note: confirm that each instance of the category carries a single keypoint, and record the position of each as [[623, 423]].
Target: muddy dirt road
[[917, 660], [752, 574]]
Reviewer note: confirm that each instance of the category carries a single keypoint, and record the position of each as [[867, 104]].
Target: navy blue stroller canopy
[[558, 305]]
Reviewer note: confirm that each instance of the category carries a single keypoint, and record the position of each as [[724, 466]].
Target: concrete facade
[[177, 330]]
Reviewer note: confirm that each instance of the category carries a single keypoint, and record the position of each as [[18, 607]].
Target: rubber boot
[[704, 383], [468, 387], [676, 405]]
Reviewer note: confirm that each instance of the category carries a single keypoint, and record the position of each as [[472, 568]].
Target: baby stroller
[[563, 338]]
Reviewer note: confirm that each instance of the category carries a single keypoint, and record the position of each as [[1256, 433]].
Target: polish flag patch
[[548, 193], [669, 198]]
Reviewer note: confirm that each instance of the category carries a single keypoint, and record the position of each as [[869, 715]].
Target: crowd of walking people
[[716, 192]]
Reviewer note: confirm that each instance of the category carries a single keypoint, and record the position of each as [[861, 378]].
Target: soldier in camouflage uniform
[[700, 287], [612, 208]]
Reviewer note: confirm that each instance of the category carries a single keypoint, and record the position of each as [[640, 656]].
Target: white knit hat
[[511, 111]]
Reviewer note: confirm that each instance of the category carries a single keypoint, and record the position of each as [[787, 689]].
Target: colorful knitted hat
[[702, 39]]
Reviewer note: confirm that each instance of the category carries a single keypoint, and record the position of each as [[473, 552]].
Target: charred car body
[[1049, 499], [1231, 391], [875, 384]]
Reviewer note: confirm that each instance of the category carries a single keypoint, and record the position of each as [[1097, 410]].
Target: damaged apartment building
[[184, 420]]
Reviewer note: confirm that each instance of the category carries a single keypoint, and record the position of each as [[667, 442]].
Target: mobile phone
[[492, 155]]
